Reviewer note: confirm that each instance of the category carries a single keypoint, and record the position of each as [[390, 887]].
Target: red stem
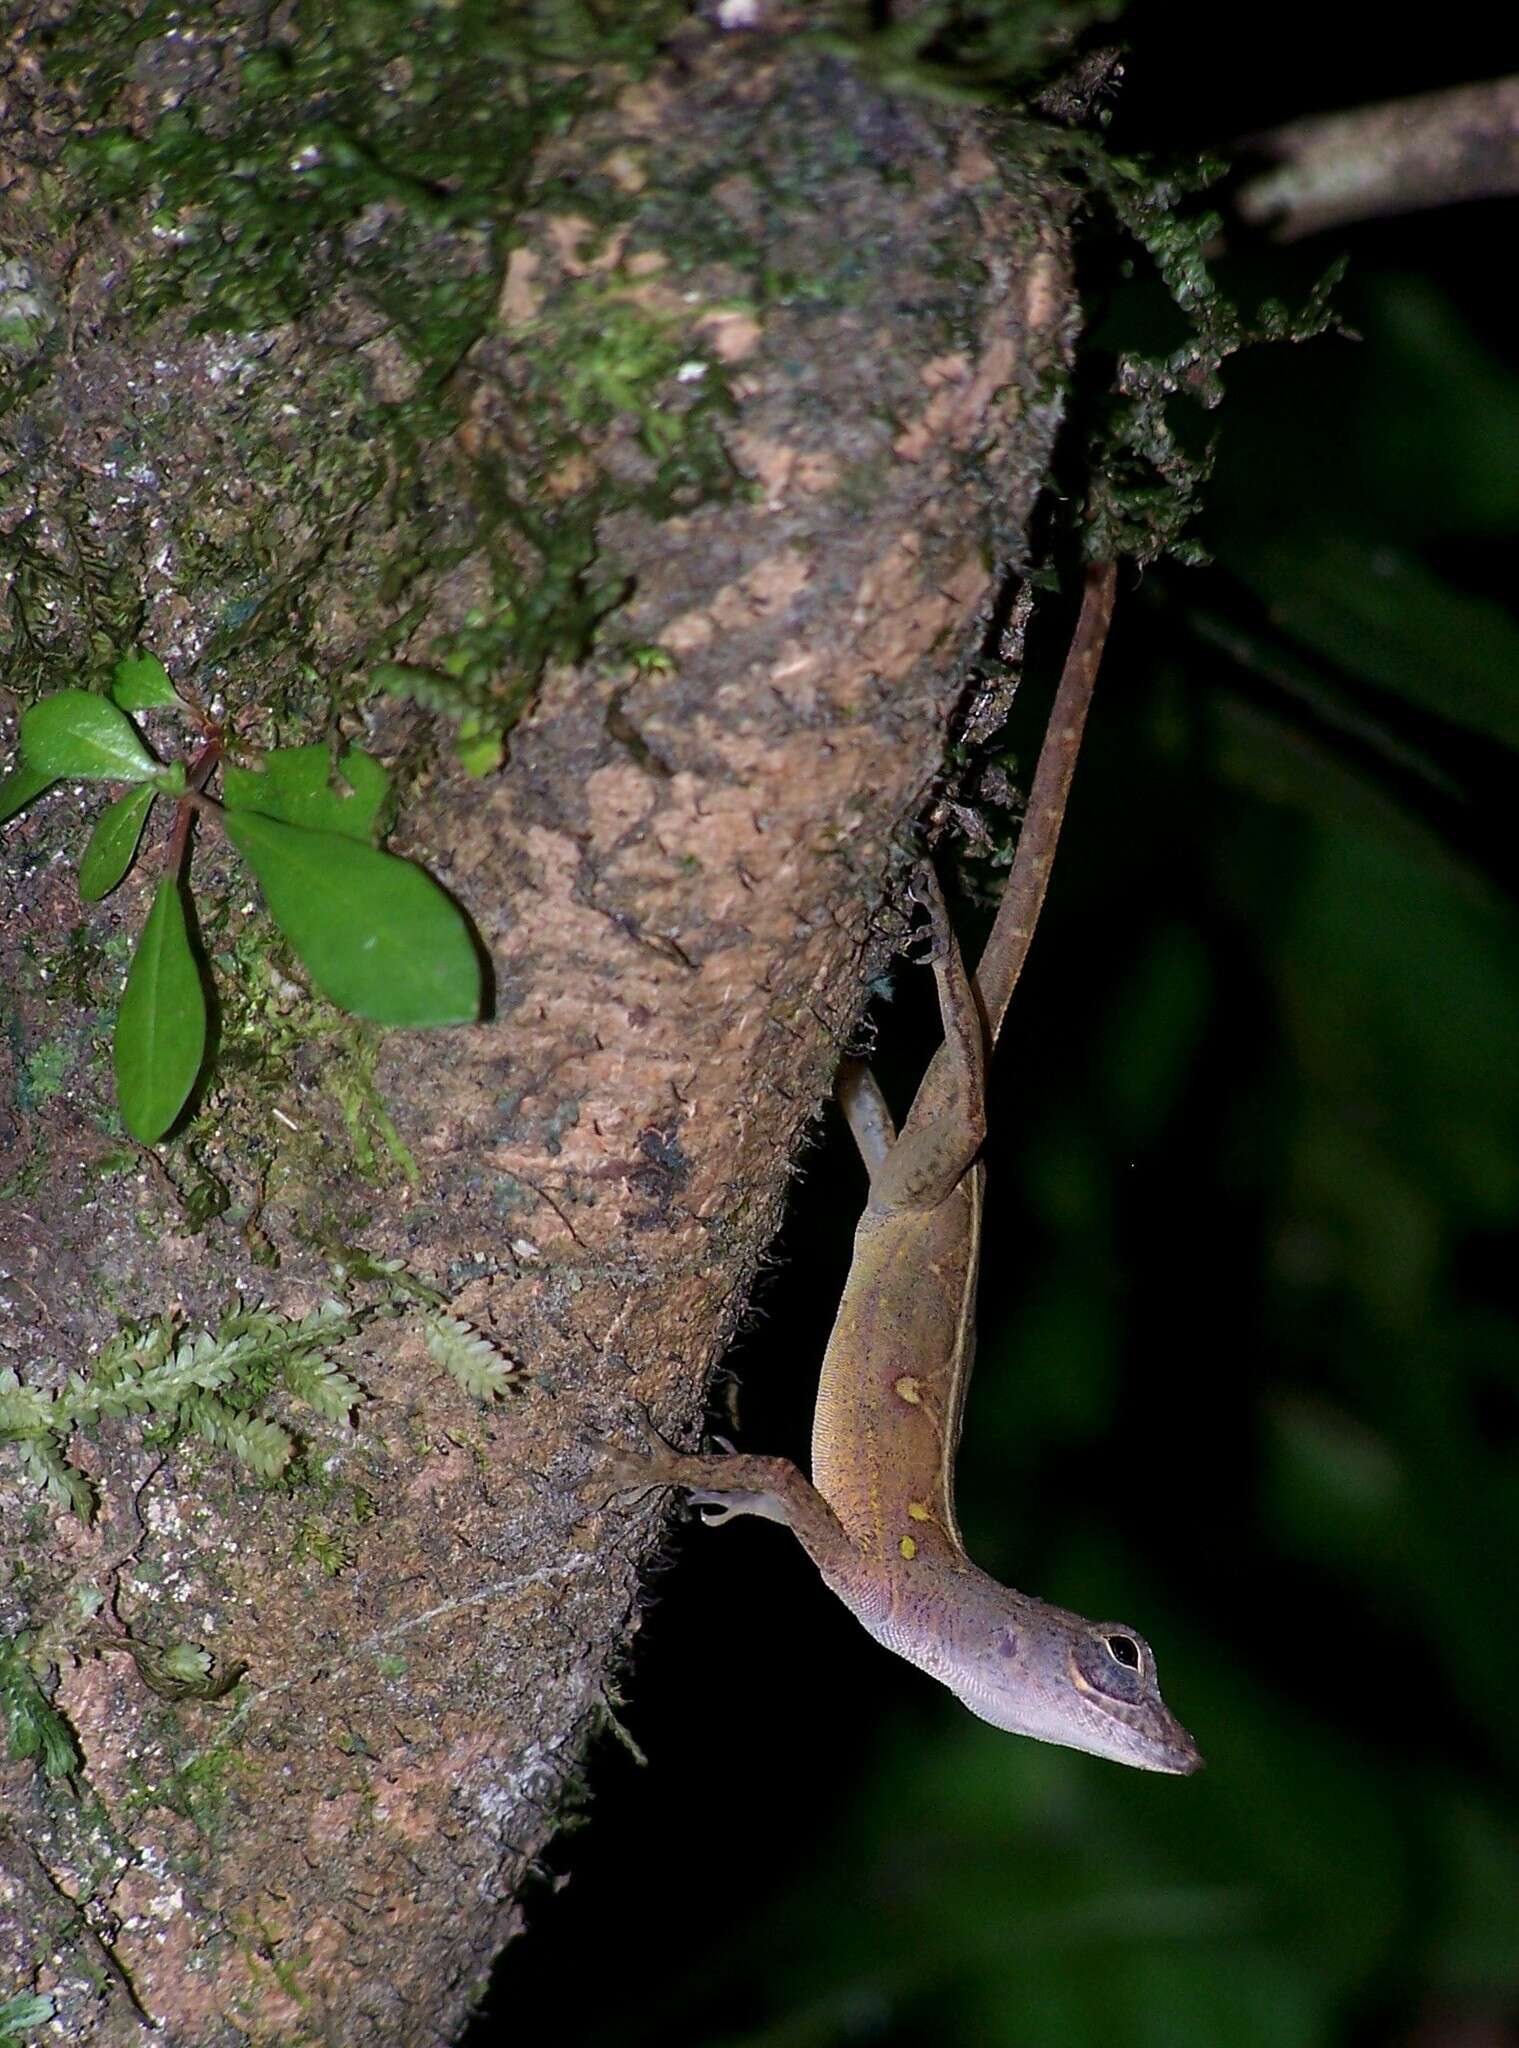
[[197, 776]]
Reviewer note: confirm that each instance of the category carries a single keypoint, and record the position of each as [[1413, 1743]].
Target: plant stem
[[197, 776]]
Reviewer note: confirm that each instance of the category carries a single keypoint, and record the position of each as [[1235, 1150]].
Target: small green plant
[[175, 1671], [34, 1729], [460, 692], [217, 1384], [377, 936], [23, 2014], [472, 1359], [324, 1545], [213, 1386]]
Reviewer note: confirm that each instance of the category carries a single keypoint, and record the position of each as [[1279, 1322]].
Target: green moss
[[329, 1548], [115, 1160], [957, 50], [1149, 465], [351, 150], [30, 1177], [200, 1791], [203, 1194], [269, 1030], [284, 1972], [597, 363], [59, 590], [348, 144], [44, 1073]]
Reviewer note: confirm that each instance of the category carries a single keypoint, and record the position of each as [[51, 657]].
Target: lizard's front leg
[[735, 1484]]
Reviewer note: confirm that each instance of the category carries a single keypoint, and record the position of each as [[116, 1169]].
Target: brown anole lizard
[[878, 1519]]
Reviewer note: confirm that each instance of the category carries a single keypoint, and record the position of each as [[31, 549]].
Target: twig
[[1393, 158]]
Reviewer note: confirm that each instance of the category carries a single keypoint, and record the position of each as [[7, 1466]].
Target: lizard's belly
[[892, 1385]]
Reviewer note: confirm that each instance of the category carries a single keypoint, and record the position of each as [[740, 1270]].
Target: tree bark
[[679, 874]]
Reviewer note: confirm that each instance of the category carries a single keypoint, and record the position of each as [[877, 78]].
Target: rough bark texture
[[678, 874]]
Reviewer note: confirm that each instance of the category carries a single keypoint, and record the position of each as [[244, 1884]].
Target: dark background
[[1248, 1374]]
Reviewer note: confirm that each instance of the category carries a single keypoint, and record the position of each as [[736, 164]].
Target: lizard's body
[[878, 1519]]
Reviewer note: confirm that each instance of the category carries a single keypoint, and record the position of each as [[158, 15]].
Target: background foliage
[[1248, 1376]]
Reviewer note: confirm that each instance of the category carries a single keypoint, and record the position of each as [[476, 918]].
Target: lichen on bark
[[692, 440]]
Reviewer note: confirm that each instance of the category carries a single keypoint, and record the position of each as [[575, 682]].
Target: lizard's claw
[[621, 1470], [656, 1463], [717, 1507]]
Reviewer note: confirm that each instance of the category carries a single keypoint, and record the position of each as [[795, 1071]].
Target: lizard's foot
[[623, 1471], [936, 937], [728, 1485]]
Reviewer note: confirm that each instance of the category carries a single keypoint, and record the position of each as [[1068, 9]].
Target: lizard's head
[[1091, 1685]]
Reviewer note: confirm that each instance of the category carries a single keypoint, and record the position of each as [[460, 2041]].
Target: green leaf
[[141, 681], [161, 1026], [78, 734], [46, 1467], [472, 1359], [113, 843], [21, 786], [33, 1725], [1384, 618], [187, 1662], [295, 785], [25, 2011], [377, 935], [480, 753]]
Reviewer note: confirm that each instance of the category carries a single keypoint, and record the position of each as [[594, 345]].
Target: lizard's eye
[[1114, 1663]]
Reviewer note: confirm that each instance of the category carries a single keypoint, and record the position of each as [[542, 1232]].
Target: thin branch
[[1394, 158]]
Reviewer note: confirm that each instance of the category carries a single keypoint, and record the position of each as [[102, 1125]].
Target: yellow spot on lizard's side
[[909, 1389], [908, 1547], [919, 1511]]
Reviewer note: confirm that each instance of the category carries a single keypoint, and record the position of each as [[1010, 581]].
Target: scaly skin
[[878, 1519]]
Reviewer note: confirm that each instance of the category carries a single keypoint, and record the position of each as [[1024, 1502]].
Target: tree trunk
[[722, 482]]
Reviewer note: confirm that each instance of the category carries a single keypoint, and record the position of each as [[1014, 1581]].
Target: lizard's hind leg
[[865, 1112], [946, 1125]]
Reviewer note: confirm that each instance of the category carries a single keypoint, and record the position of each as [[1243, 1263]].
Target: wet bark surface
[[681, 875]]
